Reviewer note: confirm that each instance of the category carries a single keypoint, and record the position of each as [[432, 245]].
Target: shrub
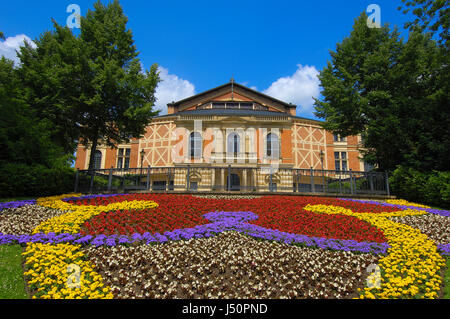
[[432, 188], [23, 180]]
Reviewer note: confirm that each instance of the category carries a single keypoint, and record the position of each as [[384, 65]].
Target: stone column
[[244, 179], [213, 177], [222, 179]]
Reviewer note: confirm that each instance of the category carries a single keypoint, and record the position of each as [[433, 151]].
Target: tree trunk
[[92, 156]]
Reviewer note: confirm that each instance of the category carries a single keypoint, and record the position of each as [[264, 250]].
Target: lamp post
[[321, 154], [142, 161]]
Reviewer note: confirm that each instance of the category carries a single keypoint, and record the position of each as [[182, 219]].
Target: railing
[[194, 178]]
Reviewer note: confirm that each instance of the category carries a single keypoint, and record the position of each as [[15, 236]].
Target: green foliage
[[393, 93], [428, 188], [23, 180], [431, 15], [53, 76], [120, 95], [345, 186], [30, 162], [23, 138], [69, 90], [90, 88]]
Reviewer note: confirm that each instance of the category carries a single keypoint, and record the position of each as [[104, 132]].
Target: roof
[[231, 86], [233, 112]]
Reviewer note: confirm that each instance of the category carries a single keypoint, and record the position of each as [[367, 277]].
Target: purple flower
[[136, 237], [444, 249], [83, 240], [123, 239], [17, 204], [111, 240]]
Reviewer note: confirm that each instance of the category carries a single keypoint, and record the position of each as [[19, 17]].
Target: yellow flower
[[408, 247], [48, 264]]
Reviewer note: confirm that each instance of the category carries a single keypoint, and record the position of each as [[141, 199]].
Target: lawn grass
[[447, 280], [12, 285]]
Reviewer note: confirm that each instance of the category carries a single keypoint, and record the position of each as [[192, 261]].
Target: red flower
[[284, 213]]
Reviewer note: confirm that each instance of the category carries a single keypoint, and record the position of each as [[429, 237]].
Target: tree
[[431, 15], [53, 75], [23, 138], [119, 96], [91, 88], [2, 36], [388, 91], [355, 87]]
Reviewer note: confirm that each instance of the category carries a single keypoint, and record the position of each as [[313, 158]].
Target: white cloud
[[171, 88], [11, 44], [299, 88]]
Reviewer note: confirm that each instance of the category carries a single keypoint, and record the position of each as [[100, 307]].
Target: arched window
[[97, 159], [233, 144], [272, 145], [195, 145]]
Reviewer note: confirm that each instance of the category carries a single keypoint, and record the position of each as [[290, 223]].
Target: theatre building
[[231, 138]]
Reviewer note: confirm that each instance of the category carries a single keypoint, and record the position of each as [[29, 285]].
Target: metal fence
[[231, 179]]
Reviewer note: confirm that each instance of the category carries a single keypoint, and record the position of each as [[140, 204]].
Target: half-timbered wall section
[[308, 140], [157, 144], [246, 119]]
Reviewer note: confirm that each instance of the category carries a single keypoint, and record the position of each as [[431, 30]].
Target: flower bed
[[229, 266], [412, 265], [172, 246], [280, 213], [48, 273], [17, 204]]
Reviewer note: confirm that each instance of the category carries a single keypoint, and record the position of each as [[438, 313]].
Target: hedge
[[431, 188], [23, 180]]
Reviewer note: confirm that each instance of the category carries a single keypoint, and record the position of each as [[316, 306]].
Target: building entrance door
[[235, 183]]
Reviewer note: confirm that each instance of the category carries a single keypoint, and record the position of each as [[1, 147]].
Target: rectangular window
[[123, 158], [232, 105], [247, 106], [218, 105], [338, 138], [340, 161], [193, 186]]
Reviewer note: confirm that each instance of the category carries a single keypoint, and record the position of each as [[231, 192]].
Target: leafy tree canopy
[[391, 92], [91, 88], [23, 139], [431, 15]]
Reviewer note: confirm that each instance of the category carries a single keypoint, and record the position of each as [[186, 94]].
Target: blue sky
[[276, 47]]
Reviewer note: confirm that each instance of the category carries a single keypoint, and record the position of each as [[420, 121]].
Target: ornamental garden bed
[[184, 246]]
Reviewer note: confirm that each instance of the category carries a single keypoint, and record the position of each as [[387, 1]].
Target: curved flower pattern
[[62, 233], [412, 265], [403, 204], [49, 271], [49, 264], [77, 215]]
